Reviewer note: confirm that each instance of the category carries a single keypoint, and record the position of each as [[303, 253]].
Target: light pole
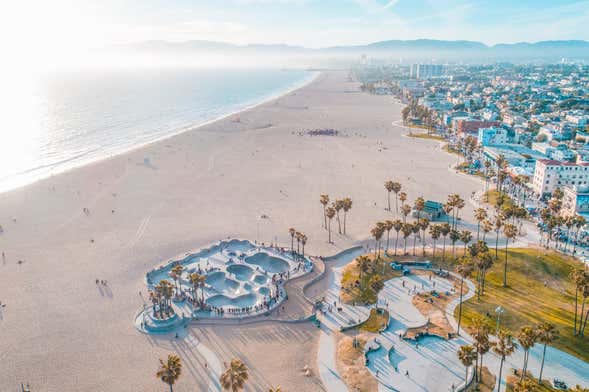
[[499, 310]]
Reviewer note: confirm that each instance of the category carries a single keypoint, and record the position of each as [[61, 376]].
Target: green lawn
[[375, 322], [365, 292], [432, 136], [527, 301], [492, 195]]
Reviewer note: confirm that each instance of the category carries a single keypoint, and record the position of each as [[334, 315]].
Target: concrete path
[[326, 362], [399, 365]]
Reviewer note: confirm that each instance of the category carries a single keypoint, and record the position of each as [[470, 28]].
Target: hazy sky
[[61, 25]]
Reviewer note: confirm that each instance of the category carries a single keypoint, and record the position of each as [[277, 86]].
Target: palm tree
[[324, 200], [503, 347], [298, 235], [416, 228], [580, 222], [235, 376], [445, 230], [423, 225], [292, 232], [275, 389], [396, 189], [407, 230], [303, 243], [481, 339], [397, 226], [347, 206], [419, 205], [467, 355], [388, 226], [338, 206], [377, 232], [487, 226], [527, 337], [464, 268], [454, 236], [510, 232], [579, 279], [329, 213], [498, 223], [402, 197], [405, 210], [176, 274], [484, 261], [435, 231], [197, 280], [388, 185], [363, 265], [480, 215], [465, 237], [525, 385], [546, 334], [169, 371]]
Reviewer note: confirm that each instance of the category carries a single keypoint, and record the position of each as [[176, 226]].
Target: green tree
[[546, 334], [234, 377], [170, 370], [503, 347]]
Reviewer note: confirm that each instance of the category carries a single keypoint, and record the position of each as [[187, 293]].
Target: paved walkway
[[326, 362], [430, 365]]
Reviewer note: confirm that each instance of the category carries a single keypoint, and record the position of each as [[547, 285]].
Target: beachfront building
[[432, 210], [575, 200], [550, 174], [521, 160], [492, 136], [470, 126]]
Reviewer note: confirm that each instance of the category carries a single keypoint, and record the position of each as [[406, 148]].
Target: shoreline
[[15, 185], [200, 187]]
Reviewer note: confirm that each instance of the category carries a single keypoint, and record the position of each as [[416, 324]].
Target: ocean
[[61, 120]]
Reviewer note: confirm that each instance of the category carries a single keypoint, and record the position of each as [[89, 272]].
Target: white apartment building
[[550, 174]]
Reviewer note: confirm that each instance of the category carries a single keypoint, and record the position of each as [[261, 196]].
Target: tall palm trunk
[[329, 231], [460, 305], [345, 218], [505, 264], [576, 309], [584, 323], [396, 243], [389, 201], [324, 217], [542, 364], [388, 238], [497, 245], [581, 320], [339, 225], [500, 371], [444, 249]]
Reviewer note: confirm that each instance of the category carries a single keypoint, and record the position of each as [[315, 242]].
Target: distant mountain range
[[420, 48]]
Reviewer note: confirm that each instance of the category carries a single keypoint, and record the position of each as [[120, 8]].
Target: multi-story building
[[492, 136], [426, 71], [550, 174], [464, 127], [575, 200]]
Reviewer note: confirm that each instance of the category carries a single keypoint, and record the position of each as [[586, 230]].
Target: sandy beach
[[59, 332]]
